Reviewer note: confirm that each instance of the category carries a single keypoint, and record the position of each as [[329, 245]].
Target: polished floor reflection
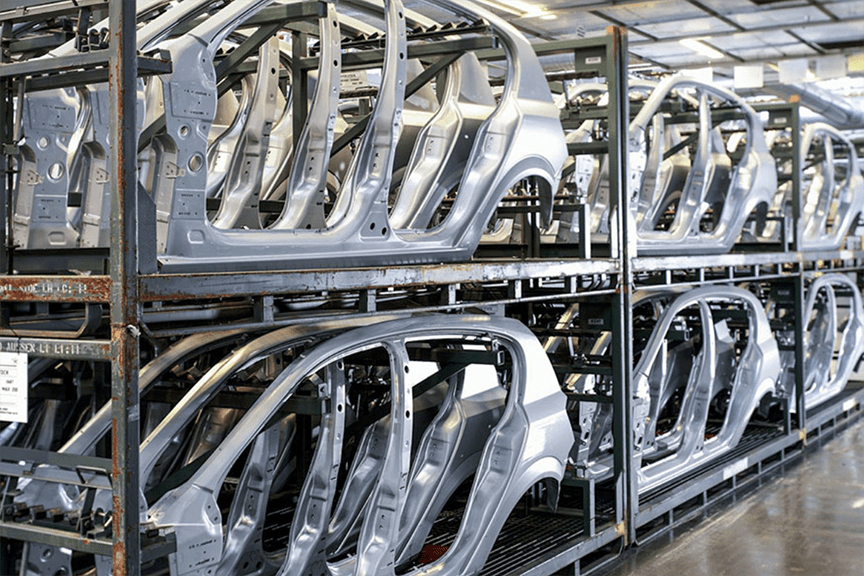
[[809, 522]]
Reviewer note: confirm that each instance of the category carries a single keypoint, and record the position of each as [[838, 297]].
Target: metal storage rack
[[136, 295], [121, 65], [787, 268]]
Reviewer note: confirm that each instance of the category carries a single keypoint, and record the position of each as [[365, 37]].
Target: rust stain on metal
[[55, 289], [119, 557], [119, 548]]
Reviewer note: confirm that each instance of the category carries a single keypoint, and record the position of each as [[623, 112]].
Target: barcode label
[[13, 387]]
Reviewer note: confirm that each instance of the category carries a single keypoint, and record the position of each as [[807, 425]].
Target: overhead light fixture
[[501, 6], [519, 8], [701, 48]]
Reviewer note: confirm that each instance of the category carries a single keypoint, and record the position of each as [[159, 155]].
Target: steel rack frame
[[120, 63], [126, 290], [137, 296], [761, 452]]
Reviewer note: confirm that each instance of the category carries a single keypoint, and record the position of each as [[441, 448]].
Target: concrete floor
[[808, 522]]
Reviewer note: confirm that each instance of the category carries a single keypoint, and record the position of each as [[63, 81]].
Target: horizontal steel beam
[[54, 537], [55, 288], [97, 350], [39, 9], [71, 461], [368, 58], [146, 67], [174, 287]]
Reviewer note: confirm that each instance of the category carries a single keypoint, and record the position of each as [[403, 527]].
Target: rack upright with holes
[[119, 288], [513, 280], [126, 280]]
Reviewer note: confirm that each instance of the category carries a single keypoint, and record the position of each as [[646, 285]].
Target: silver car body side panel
[[753, 181], [849, 342], [530, 443], [841, 202], [533, 434], [756, 375], [833, 344], [346, 520], [501, 156], [449, 453], [697, 396]]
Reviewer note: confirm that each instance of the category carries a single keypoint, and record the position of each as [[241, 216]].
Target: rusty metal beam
[[177, 287], [69, 289], [123, 72]]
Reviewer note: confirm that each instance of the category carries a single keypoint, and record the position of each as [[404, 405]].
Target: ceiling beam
[[622, 24], [754, 30], [715, 14], [821, 7], [812, 45]]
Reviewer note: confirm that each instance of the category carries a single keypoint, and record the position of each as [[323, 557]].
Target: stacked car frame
[[335, 370]]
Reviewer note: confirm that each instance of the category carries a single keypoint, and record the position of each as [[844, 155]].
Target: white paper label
[[354, 80], [734, 469], [593, 60], [13, 387], [849, 405]]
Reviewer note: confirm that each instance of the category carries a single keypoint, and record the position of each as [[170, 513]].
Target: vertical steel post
[[622, 315], [797, 237], [5, 138], [798, 226], [122, 78]]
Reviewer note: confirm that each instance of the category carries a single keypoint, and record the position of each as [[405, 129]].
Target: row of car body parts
[[711, 375], [501, 419], [685, 202], [720, 371], [469, 144], [720, 368], [832, 191], [833, 339], [710, 195]]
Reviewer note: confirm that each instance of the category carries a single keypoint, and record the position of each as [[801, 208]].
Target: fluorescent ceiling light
[[519, 8], [501, 6], [701, 48]]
